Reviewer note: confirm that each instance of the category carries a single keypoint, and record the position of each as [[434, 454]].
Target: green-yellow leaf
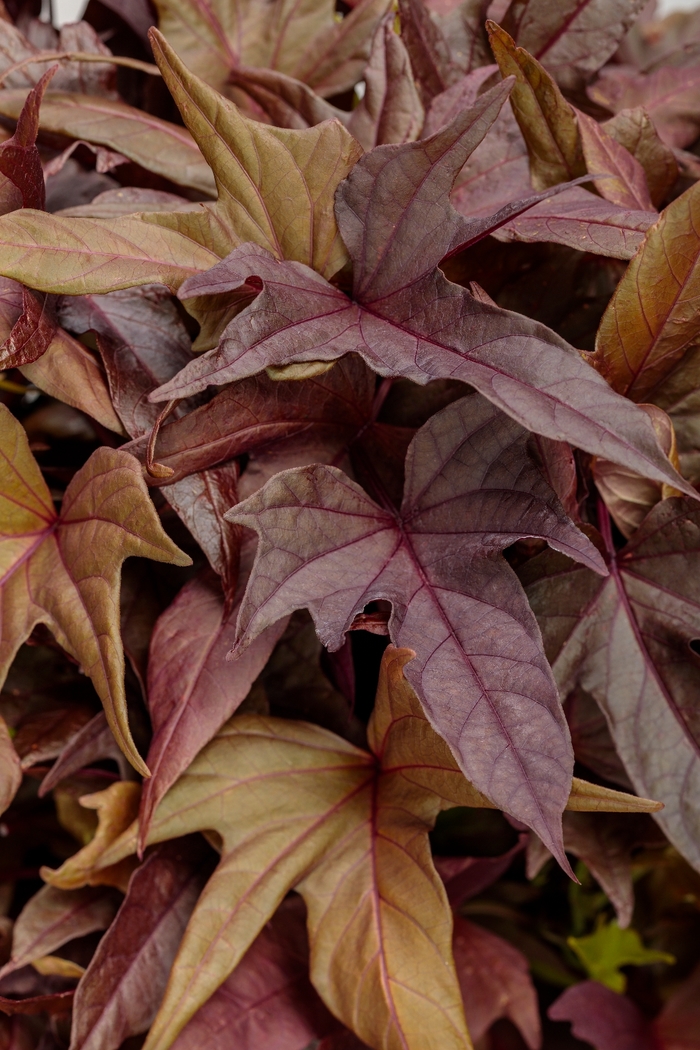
[[297, 807], [82, 256], [276, 187], [64, 569], [604, 952], [546, 119]]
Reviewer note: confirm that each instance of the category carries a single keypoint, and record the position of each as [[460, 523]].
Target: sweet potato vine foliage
[[349, 529]]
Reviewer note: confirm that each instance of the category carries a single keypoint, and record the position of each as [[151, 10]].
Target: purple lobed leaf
[[603, 1018], [471, 490]]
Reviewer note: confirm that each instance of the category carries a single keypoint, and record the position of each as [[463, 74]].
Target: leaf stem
[[81, 56]]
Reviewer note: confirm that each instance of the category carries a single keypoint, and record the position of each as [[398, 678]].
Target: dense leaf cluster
[[349, 444]]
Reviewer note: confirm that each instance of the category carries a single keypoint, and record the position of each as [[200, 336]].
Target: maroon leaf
[[593, 745], [19, 158], [605, 843], [669, 95], [93, 743], [678, 1025], [53, 917], [428, 50], [455, 601], [268, 1002], [258, 414], [465, 877], [604, 155], [627, 642], [571, 39], [603, 1018], [32, 333], [497, 172], [583, 221], [121, 989], [407, 319], [55, 1003], [446, 106], [192, 689], [138, 14], [390, 110], [495, 982], [142, 342]]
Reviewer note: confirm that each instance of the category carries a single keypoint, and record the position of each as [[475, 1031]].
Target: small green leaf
[[604, 952]]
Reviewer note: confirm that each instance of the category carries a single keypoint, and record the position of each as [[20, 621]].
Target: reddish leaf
[[268, 1002], [369, 552], [43, 734], [571, 39], [495, 982], [143, 343], [55, 1003], [603, 1018], [19, 158], [67, 370], [390, 110], [593, 745], [605, 156], [121, 990], [94, 743], [583, 221], [633, 129], [260, 414], [52, 917], [32, 334], [678, 1025], [428, 50]]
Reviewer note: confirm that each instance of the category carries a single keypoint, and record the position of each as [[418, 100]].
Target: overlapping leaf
[[121, 989], [297, 806], [63, 570], [268, 1001], [299, 317], [546, 119], [262, 177], [303, 41], [669, 96]]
